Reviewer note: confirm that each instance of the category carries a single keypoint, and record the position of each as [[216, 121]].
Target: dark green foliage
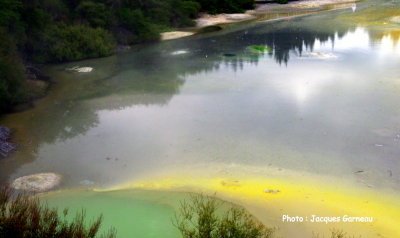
[[12, 75], [202, 218], [26, 217], [138, 28], [66, 43], [9, 13], [38, 24], [282, 1], [45, 31], [96, 14], [225, 6]]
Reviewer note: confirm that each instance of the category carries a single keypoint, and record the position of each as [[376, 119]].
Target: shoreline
[[262, 12], [296, 195], [39, 84]]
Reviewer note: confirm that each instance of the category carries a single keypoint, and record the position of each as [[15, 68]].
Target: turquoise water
[[138, 214]]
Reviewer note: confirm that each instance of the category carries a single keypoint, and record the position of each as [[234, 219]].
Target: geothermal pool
[[315, 116]]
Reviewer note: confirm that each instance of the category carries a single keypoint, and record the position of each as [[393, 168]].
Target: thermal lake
[[314, 117]]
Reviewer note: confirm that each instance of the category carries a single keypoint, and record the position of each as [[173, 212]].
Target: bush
[[138, 25], [96, 14], [12, 74], [66, 43], [26, 217], [199, 219], [282, 1], [337, 234], [225, 6], [182, 13]]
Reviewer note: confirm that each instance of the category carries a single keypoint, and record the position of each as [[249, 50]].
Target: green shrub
[[201, 218], [26, 217], [138, 25], [96, 14], [225, 6], [282, 1], [182, 13], [66, 43]]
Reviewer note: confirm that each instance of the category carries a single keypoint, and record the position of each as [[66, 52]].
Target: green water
[[324, 101], [135, 213]]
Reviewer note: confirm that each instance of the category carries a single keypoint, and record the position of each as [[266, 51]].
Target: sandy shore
[[209, 20], [264, 11], [170, 35]]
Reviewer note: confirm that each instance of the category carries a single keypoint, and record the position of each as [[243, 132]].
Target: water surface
[[323, 103]]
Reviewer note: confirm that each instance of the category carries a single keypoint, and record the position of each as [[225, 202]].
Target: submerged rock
[[120, 48], [34, 73], [37, 182], [5, 146], [207, 29], [86, 182], [179, 52], [80, 69], [4, 133]]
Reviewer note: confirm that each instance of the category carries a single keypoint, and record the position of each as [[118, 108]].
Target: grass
[[336, 234], [23, 216]]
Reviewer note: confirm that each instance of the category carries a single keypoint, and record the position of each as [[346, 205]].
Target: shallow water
[[322, 106], [133, 213]]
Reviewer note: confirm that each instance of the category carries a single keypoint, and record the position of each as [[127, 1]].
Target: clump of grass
[[201, 218], [260, 49], [336, 234], [23, 216]]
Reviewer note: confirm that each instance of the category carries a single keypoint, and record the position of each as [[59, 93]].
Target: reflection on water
[[324, 101], [329, 97]]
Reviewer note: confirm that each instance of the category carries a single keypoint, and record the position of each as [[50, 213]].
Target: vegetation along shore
[[38, 32]]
